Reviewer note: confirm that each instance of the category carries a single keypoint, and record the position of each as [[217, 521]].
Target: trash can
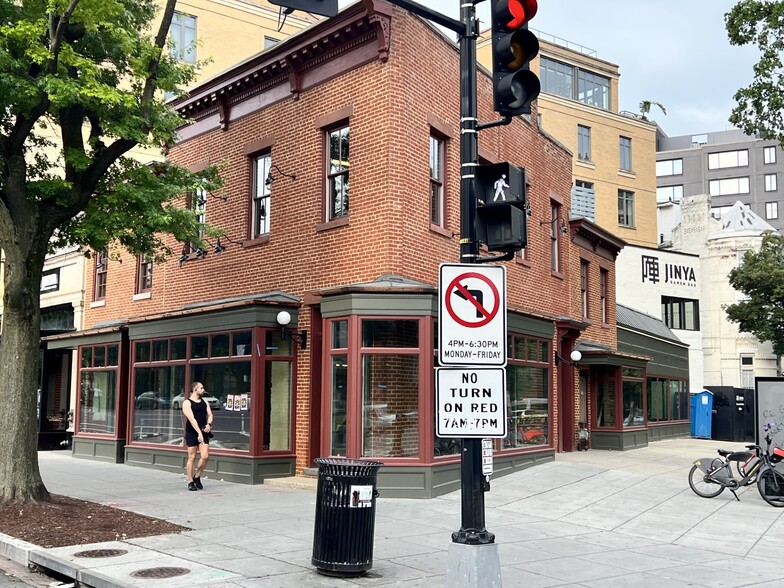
[[345, 516]]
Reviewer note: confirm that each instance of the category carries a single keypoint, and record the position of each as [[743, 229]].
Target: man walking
[[198, 423]]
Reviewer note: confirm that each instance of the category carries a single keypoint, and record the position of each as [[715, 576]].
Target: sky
[[674, 52]]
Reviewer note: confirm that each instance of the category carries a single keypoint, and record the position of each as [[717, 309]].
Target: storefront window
[[605, 403], [527, 393], [222, 382], [657, 400], [679, 400], [339, 388], [158, 396], [277, 406], [98, 402], [632, 404], [390, 401], [98, 389]]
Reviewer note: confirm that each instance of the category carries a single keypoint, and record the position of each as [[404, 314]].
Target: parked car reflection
[[152, 399], [211, 400]]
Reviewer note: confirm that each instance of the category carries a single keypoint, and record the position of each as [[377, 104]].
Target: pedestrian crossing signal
[[501, 213]]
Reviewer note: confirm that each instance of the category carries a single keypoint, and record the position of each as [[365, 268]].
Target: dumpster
[[345, 516], [701, 414]]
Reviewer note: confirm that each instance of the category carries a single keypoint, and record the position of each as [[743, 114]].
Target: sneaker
[[192, 487], [198, 483]]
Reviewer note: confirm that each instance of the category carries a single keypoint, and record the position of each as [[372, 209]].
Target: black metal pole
[[472, 530]]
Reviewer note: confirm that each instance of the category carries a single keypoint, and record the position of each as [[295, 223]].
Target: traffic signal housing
[[501, 208], [515, 86]]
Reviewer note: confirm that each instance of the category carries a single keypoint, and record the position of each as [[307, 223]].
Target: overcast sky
[[674, 52]]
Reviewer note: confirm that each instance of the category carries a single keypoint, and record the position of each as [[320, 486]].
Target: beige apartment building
[[216, 34], [614, 153]]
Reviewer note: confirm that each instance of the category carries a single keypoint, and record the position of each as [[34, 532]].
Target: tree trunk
[[20, 478]]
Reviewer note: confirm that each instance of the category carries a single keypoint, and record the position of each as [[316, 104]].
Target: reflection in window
[[390, 401], [605, 404], [528, 406], [657, 400], [339, 381], [679, 400], [632, 404], [155, 418], [98, 402], [337, 173], [386, 333], [221, 380]]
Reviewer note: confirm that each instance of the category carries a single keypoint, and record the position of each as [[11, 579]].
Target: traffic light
[[501, 211], [322, 7], [514, 46]]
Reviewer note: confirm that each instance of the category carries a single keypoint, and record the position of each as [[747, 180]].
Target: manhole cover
[[160, 572], [101, 553]]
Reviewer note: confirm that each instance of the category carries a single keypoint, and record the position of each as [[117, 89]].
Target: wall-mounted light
[[284, 318], [269, 179], [563, 228], [575, 356]]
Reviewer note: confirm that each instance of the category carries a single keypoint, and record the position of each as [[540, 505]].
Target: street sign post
[[470, 402], [472, 315]]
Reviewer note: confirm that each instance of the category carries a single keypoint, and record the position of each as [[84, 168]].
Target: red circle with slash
[[487, 315]]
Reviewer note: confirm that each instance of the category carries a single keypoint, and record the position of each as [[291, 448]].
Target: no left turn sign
[[472, 315]]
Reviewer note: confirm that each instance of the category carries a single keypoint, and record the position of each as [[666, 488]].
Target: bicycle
[[709, 476]]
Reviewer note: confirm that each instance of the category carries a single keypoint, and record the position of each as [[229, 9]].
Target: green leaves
[[760, 106], [761, 278]]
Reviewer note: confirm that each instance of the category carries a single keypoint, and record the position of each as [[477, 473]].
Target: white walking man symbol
[[499, 186]]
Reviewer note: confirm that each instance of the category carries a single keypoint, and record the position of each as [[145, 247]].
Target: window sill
[[444, 232], [558, 275], [522, 261], [333, 224], [261, 240], [629, 227], [607, 326], [142, 296], [98, 304], [627, 174], [584, 163]]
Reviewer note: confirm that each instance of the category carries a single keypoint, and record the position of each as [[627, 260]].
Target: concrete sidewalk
[[588, 519]]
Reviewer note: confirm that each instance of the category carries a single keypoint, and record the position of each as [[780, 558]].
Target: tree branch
[[56, 39], [150, 84]]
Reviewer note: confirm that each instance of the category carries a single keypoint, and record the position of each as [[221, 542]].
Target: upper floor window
[[747, 371], [728, 186], [182, 35], [626, 208], [143, 274], [50, 280], [559, 78], [771, 185], [436, 181], [604, 277], [584, 287], [270, 41], [669, 194], [583, 143], [724, 159], [681, 313], [771, 210], [669, 167], [593, 89], [718, 212], [101, 268], [555, 238], [337, 172], [262, 165], [769, 154], [625, 154]]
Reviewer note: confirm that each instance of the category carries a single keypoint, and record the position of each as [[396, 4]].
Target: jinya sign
[[668, 273]]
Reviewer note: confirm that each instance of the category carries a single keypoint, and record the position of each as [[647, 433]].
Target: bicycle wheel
[[702, 485], [770, 484]]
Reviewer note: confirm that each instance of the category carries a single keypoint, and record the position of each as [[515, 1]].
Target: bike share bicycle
[[709, 476]]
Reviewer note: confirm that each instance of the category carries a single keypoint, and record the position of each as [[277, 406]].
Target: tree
[[646, 105], [761, 278], [81, 84], [760, 106]]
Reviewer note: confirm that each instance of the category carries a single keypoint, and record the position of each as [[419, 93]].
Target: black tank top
[[199, 413]]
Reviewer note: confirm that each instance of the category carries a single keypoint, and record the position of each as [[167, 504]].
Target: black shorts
[[192, 439]]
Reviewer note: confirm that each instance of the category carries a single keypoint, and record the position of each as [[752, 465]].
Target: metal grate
[[101, 553], [158, 573]]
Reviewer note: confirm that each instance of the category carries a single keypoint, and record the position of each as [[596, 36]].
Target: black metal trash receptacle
[[345, 515]]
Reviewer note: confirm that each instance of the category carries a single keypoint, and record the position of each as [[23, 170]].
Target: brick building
[[358, 276]]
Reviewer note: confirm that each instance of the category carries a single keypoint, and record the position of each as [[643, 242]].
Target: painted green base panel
[[669, 431], [623, 440], [99, 449]]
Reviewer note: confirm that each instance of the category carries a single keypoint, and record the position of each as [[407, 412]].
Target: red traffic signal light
[[515, 86]]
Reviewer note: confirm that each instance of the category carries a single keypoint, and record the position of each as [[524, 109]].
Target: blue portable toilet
[[701, 412]]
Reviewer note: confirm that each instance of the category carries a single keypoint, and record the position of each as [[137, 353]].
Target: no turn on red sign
[[472, 315]]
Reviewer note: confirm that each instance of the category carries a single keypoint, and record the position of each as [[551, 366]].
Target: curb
[[16, 549]]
